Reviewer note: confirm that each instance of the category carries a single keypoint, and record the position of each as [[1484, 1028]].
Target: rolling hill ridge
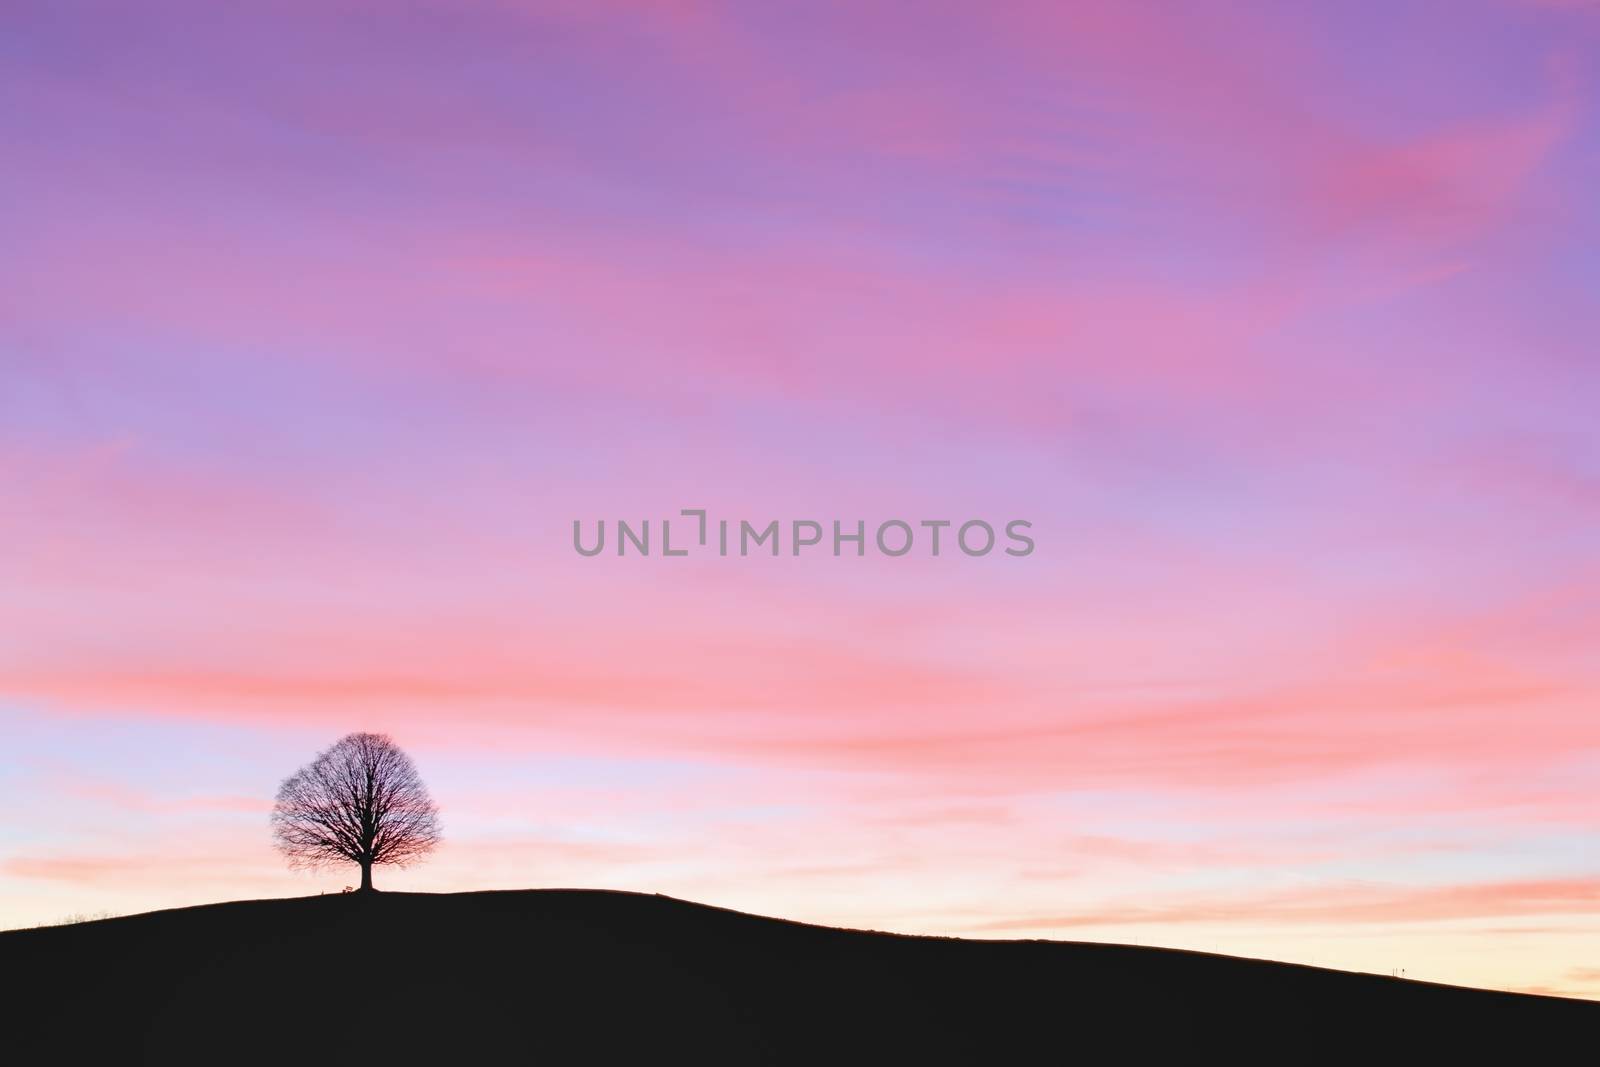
[[588, 976]]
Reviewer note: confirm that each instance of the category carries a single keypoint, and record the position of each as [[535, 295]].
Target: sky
[[322, 322]]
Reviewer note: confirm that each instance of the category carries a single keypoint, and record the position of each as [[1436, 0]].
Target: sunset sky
[[322, 320]]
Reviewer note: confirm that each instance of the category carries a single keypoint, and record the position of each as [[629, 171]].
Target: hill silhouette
[[586, 976]]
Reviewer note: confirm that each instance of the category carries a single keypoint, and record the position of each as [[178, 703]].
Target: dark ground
[[580, 976]]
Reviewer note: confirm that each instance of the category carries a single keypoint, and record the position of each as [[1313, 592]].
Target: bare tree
[[360, 801]]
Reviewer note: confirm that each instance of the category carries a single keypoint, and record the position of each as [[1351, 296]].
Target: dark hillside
[[577, 976]]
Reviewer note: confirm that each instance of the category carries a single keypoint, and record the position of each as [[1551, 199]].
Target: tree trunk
[[366, 877]]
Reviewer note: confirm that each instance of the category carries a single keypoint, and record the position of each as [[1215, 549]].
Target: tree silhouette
[[360, 801]]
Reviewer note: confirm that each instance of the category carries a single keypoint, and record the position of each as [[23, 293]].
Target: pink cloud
[[1344, 904]]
